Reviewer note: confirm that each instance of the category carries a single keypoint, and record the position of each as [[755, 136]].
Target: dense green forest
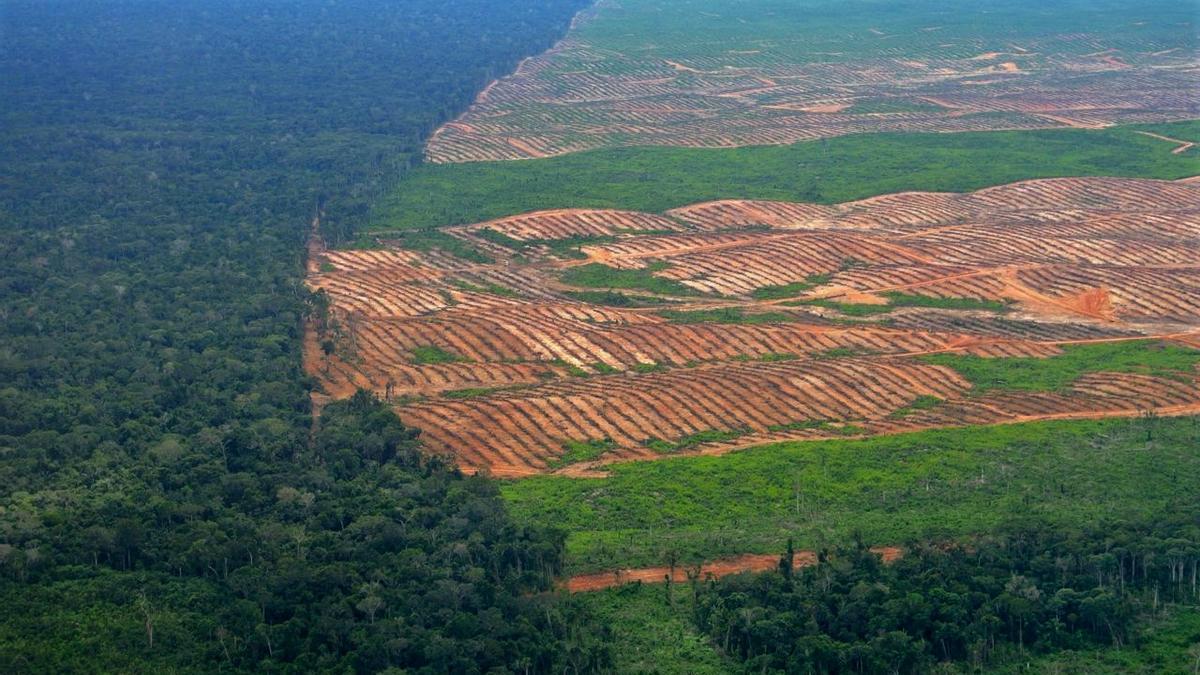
[[163, 506], [1023, 588]]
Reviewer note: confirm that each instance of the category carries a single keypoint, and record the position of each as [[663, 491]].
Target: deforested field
[[724, 74], [796, 273], [570, 339]]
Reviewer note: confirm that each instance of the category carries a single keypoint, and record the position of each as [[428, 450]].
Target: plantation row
[[755, 404], [520, 432], [589, 93], [598, 335], [577, 223], [526, 337], [1113, 205]]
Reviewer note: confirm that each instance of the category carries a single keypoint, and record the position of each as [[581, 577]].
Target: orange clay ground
[[523, 369], [587, 93], [752, 562]]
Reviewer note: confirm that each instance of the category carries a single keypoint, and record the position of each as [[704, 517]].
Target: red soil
[[752, 562], [1082, 260]]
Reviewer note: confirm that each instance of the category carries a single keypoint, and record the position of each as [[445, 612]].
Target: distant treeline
[[162, 505]]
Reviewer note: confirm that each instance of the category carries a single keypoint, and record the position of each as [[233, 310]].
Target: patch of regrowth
[[614, 299], [724, 315], [572, 369], [905, 300], [499, 238], [1056, 373], [486, 287], [707, 436], [596, 275], [575, 452], [430, 354], [793, 289], [922, 402], [826, 171], [846, 308]]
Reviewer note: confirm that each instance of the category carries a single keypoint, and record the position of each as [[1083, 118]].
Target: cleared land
[[751, 562], [726, 324], [634, 74]]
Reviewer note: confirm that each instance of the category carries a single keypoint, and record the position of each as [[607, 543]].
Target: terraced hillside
[[726, 73], [595, 336]]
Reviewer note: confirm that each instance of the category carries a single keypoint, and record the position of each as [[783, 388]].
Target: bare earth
[[1078, 259], [753, 562], [584, 94]]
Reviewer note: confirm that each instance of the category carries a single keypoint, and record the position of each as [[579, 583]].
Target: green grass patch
[[928, 485], [771, 357], [486, 287], [582, 451], [603, 368], [427, 354], [789, 290], [724, 315], [705, 436], [614, 299], [906, 300], [847, 308], [574, 370], [1149, 357], [499, 238], [822, 171], [568, 247], [645, 368], [596, 275], [922, 402]]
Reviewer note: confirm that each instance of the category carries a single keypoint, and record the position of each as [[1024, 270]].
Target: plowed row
[[1049, 243], [587, 94], [1078, 259], [518, 433]]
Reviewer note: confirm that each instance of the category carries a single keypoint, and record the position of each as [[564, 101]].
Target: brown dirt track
[[1081, 260], [752, 562]]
